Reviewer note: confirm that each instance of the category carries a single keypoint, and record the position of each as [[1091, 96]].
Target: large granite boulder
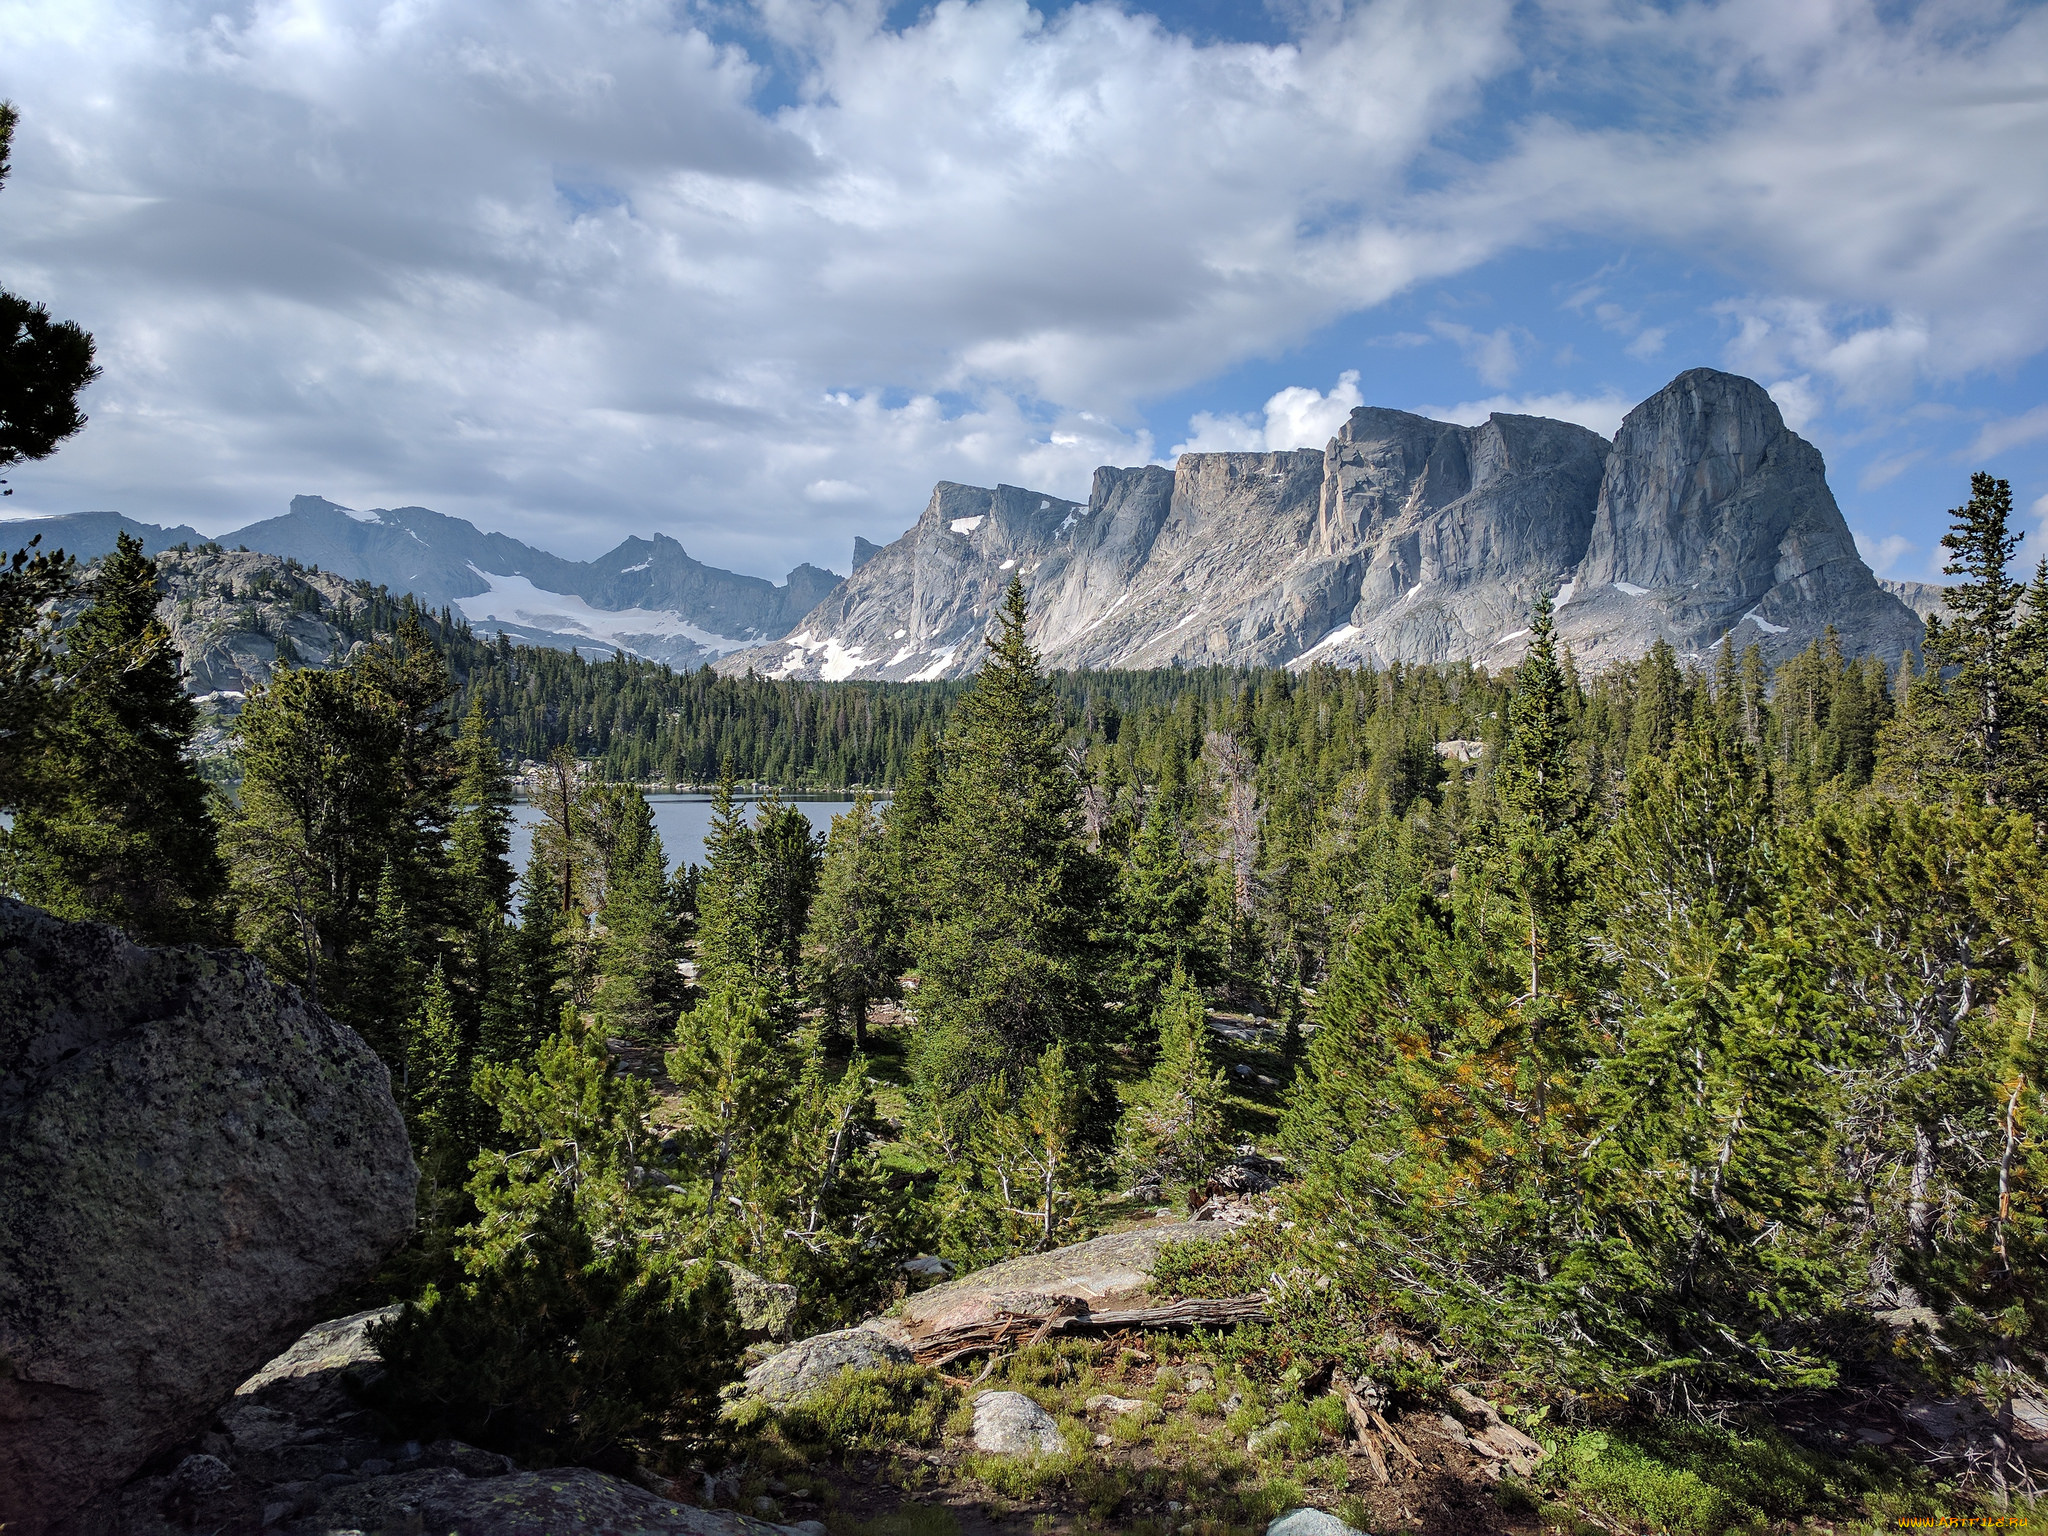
[[807, 1365], [191, 1159]]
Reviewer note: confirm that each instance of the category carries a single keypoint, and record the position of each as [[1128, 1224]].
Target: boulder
[[1310, 1522], [1105, 1272], [762, 1306], [516, 1504], [1011, 1424], [191, 1158], [808, 1364]]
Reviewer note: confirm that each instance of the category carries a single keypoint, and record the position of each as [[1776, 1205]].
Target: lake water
[[682, 821]]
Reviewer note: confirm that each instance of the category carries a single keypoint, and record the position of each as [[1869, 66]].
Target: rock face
[[1404, 540], [295, 1452], [1011, 1424], [191, 1159], [1100, 1274], [807, 1365]]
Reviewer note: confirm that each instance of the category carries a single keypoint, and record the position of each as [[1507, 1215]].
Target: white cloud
[[1797, 400], [1883, 555], [1295, 417], [553, 265], [1999, 436], [1491, 354], [1602, 412]]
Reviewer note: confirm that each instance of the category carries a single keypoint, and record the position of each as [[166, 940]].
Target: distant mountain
[[647, 596], [1405, 540], [1923, 597], [88, 535]]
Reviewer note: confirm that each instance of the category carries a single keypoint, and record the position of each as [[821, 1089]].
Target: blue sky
[[757, 272]]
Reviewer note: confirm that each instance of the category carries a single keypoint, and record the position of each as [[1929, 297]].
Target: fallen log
[[1361, 1425], [948, 1344]]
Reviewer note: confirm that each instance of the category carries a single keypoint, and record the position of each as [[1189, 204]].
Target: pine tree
[[312, 832], [1031, 1153], [117, 826], [639, 954], [1988, 685], [537, 982], [1173, 1130], [855, 944], [733, 1089], [578, 1328], [1002, 967], [480, 878], [33, 583], [1161, 908]]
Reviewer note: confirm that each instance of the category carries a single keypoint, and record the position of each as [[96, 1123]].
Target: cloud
[[1602, 412], [1797, 400], [1491, 354], [2001, 436], [1296, 417], [579, 269], [1883, 555]]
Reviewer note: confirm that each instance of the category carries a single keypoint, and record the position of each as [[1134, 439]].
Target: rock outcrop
[[1404, 540], [807, 1365], [294, 1451], [191, 1160], [1011, 1424]]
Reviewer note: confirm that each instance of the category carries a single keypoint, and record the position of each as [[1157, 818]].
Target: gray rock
[[1405, 539], [1011, 1424], [1109, 1402], [519, 1504], [1310, 1522], [807, 1365], [766, 1307], [191, 1158]]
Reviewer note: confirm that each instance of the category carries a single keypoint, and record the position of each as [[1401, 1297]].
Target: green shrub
[[870, 1410]]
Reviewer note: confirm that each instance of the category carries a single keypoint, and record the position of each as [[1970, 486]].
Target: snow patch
[[1006, 565], [360, 517], [931, 674], [1063, 527], [1337, 636], [1043, 505], [899, 634], [901, 656], [1764, 624], [629, 570], [966, 524], [1516, 635], [516, 600], [1564, 595], [1631, 589]]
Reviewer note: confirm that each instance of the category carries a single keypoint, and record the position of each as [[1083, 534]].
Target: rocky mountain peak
[[1406, 539]]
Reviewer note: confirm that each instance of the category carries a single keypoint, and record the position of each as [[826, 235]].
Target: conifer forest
[[1658, 1045]]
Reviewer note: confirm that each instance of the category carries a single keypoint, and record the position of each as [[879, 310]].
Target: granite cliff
[[1404, 540]]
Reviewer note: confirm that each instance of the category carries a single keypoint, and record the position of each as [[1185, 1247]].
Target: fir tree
[[1978, 640], [1173, 1130], [1002, 967], [1031, 1152], [639, 954], [116, 825], [32, 584], [855, 944], [1161, 908]]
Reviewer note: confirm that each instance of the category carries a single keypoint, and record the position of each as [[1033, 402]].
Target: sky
[[757, 274]]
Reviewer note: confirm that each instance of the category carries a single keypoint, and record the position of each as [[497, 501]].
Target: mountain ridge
[[1405, 540]]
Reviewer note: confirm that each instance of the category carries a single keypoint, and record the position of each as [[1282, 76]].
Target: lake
[[682, 821]]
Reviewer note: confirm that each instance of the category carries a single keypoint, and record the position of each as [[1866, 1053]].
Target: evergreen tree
[[32, 585], [576, 1329], [733, 1092], [44, 363], [311, 834], [855, 944], [1031, 1152], [1988, 685], [538, 985], [1161, 908], [117, 826], [639, 953], [1173, 1130], [1003, 970], [480, 879]]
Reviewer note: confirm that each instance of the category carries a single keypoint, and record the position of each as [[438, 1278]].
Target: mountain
[[88, 535], [1923, 597], [647, 596], [1405, 540]]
